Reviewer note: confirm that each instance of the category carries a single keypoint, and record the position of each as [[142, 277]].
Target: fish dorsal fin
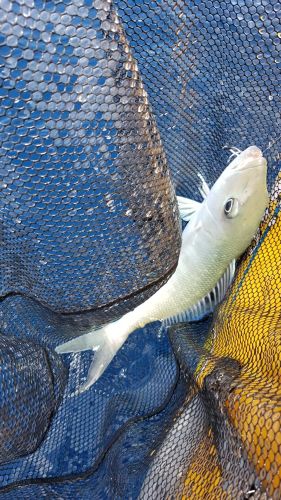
[[204, 189], [187, 207], [207, 304]]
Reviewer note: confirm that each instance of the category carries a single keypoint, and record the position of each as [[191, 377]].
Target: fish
[[219, 230]]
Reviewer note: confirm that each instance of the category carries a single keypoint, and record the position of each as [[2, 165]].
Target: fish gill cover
[[98, 99]]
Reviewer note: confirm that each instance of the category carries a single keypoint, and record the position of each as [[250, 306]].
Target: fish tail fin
[[105, 342], [83, 343], [104, 354]]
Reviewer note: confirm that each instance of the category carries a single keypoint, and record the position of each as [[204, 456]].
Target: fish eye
[[231, 208], [228, 206]]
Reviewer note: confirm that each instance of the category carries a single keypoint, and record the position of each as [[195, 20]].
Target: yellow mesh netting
[[247, 329]]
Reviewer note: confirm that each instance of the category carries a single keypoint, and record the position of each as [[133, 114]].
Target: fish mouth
[[252, 152], [257, 164], [250, 159]]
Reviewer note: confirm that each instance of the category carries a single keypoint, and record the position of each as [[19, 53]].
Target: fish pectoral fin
[[187, 207], [105, 342], [207, 304]]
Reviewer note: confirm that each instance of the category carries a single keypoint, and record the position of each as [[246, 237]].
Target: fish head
[[237, 201]]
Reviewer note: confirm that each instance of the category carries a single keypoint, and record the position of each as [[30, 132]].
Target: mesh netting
[[235, 395], [89, 229]]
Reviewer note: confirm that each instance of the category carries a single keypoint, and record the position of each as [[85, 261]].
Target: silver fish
[[219, 231]]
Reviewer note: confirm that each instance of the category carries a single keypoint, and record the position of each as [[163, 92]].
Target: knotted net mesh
[[108, 108]]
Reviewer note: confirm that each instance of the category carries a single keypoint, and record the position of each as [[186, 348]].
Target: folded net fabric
[[106, 110]]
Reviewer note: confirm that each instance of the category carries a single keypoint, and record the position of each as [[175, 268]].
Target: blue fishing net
[[108, 109]]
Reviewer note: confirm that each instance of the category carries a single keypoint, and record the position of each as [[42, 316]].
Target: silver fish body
[[218, 232]]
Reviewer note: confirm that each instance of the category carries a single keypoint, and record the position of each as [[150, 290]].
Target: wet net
[[108, 109]]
